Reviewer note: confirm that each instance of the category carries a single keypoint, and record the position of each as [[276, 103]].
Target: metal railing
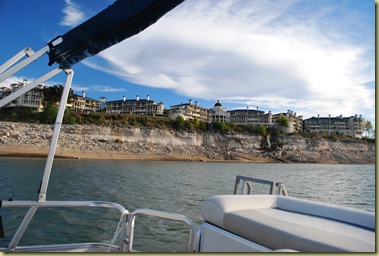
[[34, 205], [165, 215], [124, 231], [244, 186]]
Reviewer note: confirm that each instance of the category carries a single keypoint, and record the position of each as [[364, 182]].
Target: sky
[[313, 57]]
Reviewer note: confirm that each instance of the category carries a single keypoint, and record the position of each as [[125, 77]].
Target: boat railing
[[164, 215], [33, 205], [243, 185]]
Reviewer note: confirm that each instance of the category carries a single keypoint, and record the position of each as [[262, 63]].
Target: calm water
[[177, 187]]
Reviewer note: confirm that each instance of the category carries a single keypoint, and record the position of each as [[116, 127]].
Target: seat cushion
[[278, 229], [278, 222]]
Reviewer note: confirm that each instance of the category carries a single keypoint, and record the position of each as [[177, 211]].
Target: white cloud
[[73, 15], [275, 54], [11, 80]]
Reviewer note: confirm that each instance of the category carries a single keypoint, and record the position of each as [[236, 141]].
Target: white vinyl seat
[[280, 222]]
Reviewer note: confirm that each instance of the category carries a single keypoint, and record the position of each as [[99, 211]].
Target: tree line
[[52, 96]]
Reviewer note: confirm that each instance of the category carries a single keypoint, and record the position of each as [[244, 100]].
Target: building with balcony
[[250, 117], [351, 126], [189, 111], [85, 104], [295, 123], [219, 113], [135, 106], [32, 99]]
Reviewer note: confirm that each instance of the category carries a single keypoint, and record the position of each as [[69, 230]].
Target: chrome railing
[[124, 231], [244, 186], [165, 215], [34, 205]]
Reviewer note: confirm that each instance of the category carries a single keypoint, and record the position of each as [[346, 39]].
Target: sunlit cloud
[[73, 15], [274, 54]]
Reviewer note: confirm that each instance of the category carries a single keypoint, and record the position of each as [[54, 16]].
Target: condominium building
[[189, 111], [295, 123], [219, 113], [31, 99], [352, 126], [250, 116], [85, 104], [135, 106]]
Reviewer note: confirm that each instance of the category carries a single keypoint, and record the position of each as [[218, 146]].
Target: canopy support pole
[[50, 157], [30, 86], [55, 137], [10, 67], [6, 70]]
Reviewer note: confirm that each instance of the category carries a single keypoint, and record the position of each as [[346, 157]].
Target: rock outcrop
[[182, 145]]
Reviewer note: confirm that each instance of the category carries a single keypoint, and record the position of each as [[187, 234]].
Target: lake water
[[177, 187]]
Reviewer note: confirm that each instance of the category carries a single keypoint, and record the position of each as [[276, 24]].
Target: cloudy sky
[[310, 56]]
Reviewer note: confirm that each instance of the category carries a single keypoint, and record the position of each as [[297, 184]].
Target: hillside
[[93, 141]]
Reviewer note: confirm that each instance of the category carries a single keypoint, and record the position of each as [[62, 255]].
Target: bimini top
[[122, 19]]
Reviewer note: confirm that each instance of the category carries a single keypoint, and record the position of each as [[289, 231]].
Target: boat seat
[[281, 222]]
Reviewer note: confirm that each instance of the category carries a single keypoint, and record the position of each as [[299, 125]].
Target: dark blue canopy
[[121, 20]]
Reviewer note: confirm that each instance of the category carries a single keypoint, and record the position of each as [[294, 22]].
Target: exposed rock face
[[211, 146]]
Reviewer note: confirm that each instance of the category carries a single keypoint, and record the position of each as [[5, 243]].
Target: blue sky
[[310, 56]]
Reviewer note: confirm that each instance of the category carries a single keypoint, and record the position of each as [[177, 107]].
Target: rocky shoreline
[[106, 142]]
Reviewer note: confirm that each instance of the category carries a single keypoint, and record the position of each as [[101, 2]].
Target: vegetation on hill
[[159, 122]]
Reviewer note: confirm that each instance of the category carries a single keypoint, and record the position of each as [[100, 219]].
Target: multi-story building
[[135, 107], [219, 113], [85, 104], [295, 123], [32, 99], [189, 111], [250, 116], [352, 126]]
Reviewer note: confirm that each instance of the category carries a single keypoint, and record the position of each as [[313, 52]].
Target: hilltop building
[[250, 116], [295, 123], [352, 126], [135, 106], [219, 113], [84, 104], [189, 111], [32, 99]]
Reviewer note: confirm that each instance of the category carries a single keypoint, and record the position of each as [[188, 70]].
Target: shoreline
[[41, 152], [103, 142], [22, 151]]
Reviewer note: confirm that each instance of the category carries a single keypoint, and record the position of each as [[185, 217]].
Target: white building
[[135, 106], [189, 111], [85, 104], [219, 113], [32, 99], [295, 123], [251, 117], [351, 126]]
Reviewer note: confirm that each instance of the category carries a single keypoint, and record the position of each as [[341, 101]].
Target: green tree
[[49, 114], [69, 117], [14, 117], [282, 121], [179, 123], [222, 127], [52, 94], [369, 129]]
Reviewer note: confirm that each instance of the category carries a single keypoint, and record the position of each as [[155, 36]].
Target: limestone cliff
[[181, 145]]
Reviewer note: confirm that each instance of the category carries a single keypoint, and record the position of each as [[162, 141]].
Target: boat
[[240, 222]]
